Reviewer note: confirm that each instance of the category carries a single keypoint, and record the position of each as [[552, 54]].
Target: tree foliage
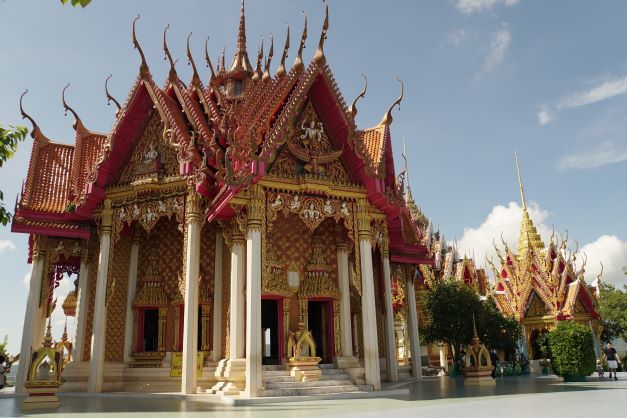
[[82, 3], [450, 307], [572, 350], [3, 344], [613, 310], [9, 138]]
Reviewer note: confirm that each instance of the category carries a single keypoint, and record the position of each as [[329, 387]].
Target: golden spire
[[529, 236], [240, 60], [387, 118], [298, 62], [281, 70]]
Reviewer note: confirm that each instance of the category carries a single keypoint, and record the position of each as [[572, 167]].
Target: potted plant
[[545, 363], [572, 350]]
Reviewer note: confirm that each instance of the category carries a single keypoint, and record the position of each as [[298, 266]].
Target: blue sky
[[483, 78]]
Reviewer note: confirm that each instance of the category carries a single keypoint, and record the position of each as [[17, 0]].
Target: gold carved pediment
[[536, 307]]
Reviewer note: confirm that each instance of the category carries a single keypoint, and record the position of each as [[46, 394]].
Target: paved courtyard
[[433, 397]]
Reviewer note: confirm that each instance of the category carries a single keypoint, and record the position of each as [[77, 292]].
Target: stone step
[[273, 367], [327, 366], [275, 373], [312, 384], [275, 379], [312, 391], [333, 371]]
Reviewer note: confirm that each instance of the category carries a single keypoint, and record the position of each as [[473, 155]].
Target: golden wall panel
[[117, 287], [94, 249]]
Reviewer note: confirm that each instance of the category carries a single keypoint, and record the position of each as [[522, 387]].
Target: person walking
[[612, 359]]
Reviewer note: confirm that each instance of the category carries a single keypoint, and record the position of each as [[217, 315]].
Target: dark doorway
[[199, 342], [320, 327], [151, 330], [270, 331]]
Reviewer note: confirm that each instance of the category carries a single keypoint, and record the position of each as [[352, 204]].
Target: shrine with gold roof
[[223, 234]]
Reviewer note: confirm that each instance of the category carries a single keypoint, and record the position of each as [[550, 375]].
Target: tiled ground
[[434, 397]]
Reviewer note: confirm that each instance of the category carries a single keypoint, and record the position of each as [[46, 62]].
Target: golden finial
[[111, 98], [67, 107], [266, 72], [136, 45], [48, 337], [190, 61], [64, 336], [222, 66], [281, 70], [319, 57], [35, 132], [209, 64], [387, 118], [475, 337], [168, 56], [298, 62], [520, 184], [353, 108], [241, 34]]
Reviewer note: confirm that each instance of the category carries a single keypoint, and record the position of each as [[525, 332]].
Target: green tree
[[9, 138], [572, 350], [498, 331], [3, 344], [613, 310], [82, 3]]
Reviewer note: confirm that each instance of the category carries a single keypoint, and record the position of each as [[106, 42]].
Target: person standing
[[612, 359]]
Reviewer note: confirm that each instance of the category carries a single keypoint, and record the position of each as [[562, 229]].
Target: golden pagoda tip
[[111, 98], [520, 183]]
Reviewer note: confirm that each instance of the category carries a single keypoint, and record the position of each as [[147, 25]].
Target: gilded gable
[[536, 307], [152, 156], [309, 152]]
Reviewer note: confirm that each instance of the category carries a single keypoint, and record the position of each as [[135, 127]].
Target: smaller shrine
[[477, 364]]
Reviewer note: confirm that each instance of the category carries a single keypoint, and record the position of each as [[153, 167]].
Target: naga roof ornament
[[319, 56], [36, 133], [111, 98], [362, 94], [67, 108], [298, 62], [144, 66], [266, 71], [258, 72], [168, 56], [209, 64], [387, 118], [281, 70], [190, 61]]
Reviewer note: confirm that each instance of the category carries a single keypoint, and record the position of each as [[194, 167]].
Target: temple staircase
[[278, 382]]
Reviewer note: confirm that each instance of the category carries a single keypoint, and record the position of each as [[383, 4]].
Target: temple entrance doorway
[[150, 335], [320, 320], [270, 329]]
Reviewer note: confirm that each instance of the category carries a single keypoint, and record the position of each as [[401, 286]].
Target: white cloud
[[457, 37], [598, 155], [6, 245], [499, 45], [473, 6], [503, 220], [544, 117], [609, 249], [607, 89], [612, 252]]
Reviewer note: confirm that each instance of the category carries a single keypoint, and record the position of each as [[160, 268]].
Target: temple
[[541, 286], [238, 237]]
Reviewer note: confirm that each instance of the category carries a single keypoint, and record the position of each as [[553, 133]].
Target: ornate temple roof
[[225, 133]]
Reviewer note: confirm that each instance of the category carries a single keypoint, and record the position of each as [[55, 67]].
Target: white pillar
[[31, 317], [189, 382], [368, 309], [217, 299], [99, 328], [390, 339], [345, 300], [81, 307], [129, 321], [238, 307], [253, 292], [416, 366], [443, 362]]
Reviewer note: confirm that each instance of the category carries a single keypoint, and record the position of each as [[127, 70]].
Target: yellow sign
[[177, 364]]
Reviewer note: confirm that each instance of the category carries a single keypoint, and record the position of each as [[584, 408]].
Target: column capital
[[107, 216], [363, 219], [39, 247], [256, 206], [192, 206]]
